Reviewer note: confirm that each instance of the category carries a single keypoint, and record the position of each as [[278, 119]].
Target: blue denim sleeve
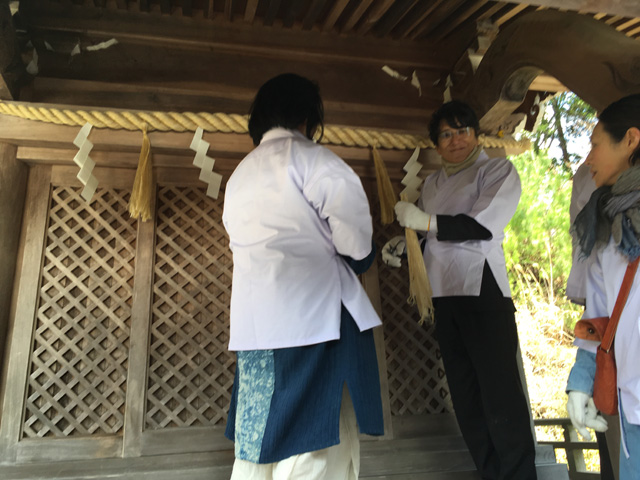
[[583, 372]]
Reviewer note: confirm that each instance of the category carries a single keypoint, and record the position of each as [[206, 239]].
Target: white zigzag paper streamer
[[84, 161], [205, 163], [411, 181]]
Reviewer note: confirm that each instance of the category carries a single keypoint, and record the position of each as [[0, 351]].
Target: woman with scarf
[[463, 210], [608, 231]]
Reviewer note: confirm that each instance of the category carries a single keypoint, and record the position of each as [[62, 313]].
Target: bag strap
[[612, 326]]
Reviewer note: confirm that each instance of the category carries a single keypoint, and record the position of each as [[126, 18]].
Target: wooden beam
[[13, 187], [239, 38], [439, 16], [336, 10], [23, 308], [48, 144], [628, 24], [272, 12], [250, 10], [401, 9], [313, 14], [390, 105], [613, 19], [505, 17], [356, 15], [491, 11], [625, 8], [462, 17], [422, 13], [228, 10], [165, 7], [375, 15], [293, 12], [187, 8]]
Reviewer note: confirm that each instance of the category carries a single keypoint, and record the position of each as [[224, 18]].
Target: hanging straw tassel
[[420, 293], [141, 195], [386, 194]]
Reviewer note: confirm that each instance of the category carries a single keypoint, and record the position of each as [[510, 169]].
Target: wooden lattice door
[[416, 380], [121, 327]]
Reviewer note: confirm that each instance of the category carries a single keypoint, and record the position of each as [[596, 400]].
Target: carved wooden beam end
[[592, 59]]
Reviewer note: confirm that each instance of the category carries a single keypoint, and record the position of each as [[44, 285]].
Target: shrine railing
[[572, 445]]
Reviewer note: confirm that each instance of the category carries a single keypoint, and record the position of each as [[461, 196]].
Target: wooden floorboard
[[427, 449]]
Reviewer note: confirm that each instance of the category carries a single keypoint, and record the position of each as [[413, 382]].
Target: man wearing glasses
[[462, 212]]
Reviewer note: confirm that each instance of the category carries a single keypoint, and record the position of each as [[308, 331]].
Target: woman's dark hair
[[457, 114], [619, 117], [286, 101]]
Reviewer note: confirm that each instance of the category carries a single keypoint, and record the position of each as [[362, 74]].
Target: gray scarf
[[612, 211], [452, 168]]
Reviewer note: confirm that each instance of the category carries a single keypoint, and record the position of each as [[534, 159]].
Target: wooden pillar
[[13, 186]]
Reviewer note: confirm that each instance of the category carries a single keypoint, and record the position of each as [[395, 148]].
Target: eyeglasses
[[458, 132]]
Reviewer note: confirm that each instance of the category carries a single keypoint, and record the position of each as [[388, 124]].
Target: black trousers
[[478, 341]]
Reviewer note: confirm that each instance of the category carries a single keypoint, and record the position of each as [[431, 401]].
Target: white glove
[[583, 413], [412, 217], [393, 250]]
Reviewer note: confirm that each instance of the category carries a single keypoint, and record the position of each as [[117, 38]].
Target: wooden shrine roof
[[212, 55]]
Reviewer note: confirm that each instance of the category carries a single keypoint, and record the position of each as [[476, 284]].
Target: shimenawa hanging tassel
[[420, 293], [141, 195], [386, 194]]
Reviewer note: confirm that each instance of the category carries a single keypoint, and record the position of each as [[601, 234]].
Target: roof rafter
[[356, 15], [626, 8]]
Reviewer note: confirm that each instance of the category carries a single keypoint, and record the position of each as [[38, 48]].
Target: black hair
[[619, 117], [457, 114], [286, 101]]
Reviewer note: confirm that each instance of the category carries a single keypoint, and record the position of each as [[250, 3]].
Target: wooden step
[[424, 449]]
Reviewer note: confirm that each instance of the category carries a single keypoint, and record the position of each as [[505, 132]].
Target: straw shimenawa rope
[[219, 122]]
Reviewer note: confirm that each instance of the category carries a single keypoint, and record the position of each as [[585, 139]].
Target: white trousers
[[340, 462]]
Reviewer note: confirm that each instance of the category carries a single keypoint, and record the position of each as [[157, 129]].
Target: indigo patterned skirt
[[287, 401]]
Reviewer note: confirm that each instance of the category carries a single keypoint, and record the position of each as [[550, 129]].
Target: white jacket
[[487, 191], [603, 285], [291, 208]]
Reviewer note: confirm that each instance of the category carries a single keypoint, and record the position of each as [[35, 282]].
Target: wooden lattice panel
[[190, 370], [417, 382], [79, 358]]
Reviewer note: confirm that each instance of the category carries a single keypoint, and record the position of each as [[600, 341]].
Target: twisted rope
[[219, 122]]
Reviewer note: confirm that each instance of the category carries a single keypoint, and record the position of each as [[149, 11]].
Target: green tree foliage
[[537, 242], [565, 118]]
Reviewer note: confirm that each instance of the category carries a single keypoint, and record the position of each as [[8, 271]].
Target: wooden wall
[[120, 331]]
